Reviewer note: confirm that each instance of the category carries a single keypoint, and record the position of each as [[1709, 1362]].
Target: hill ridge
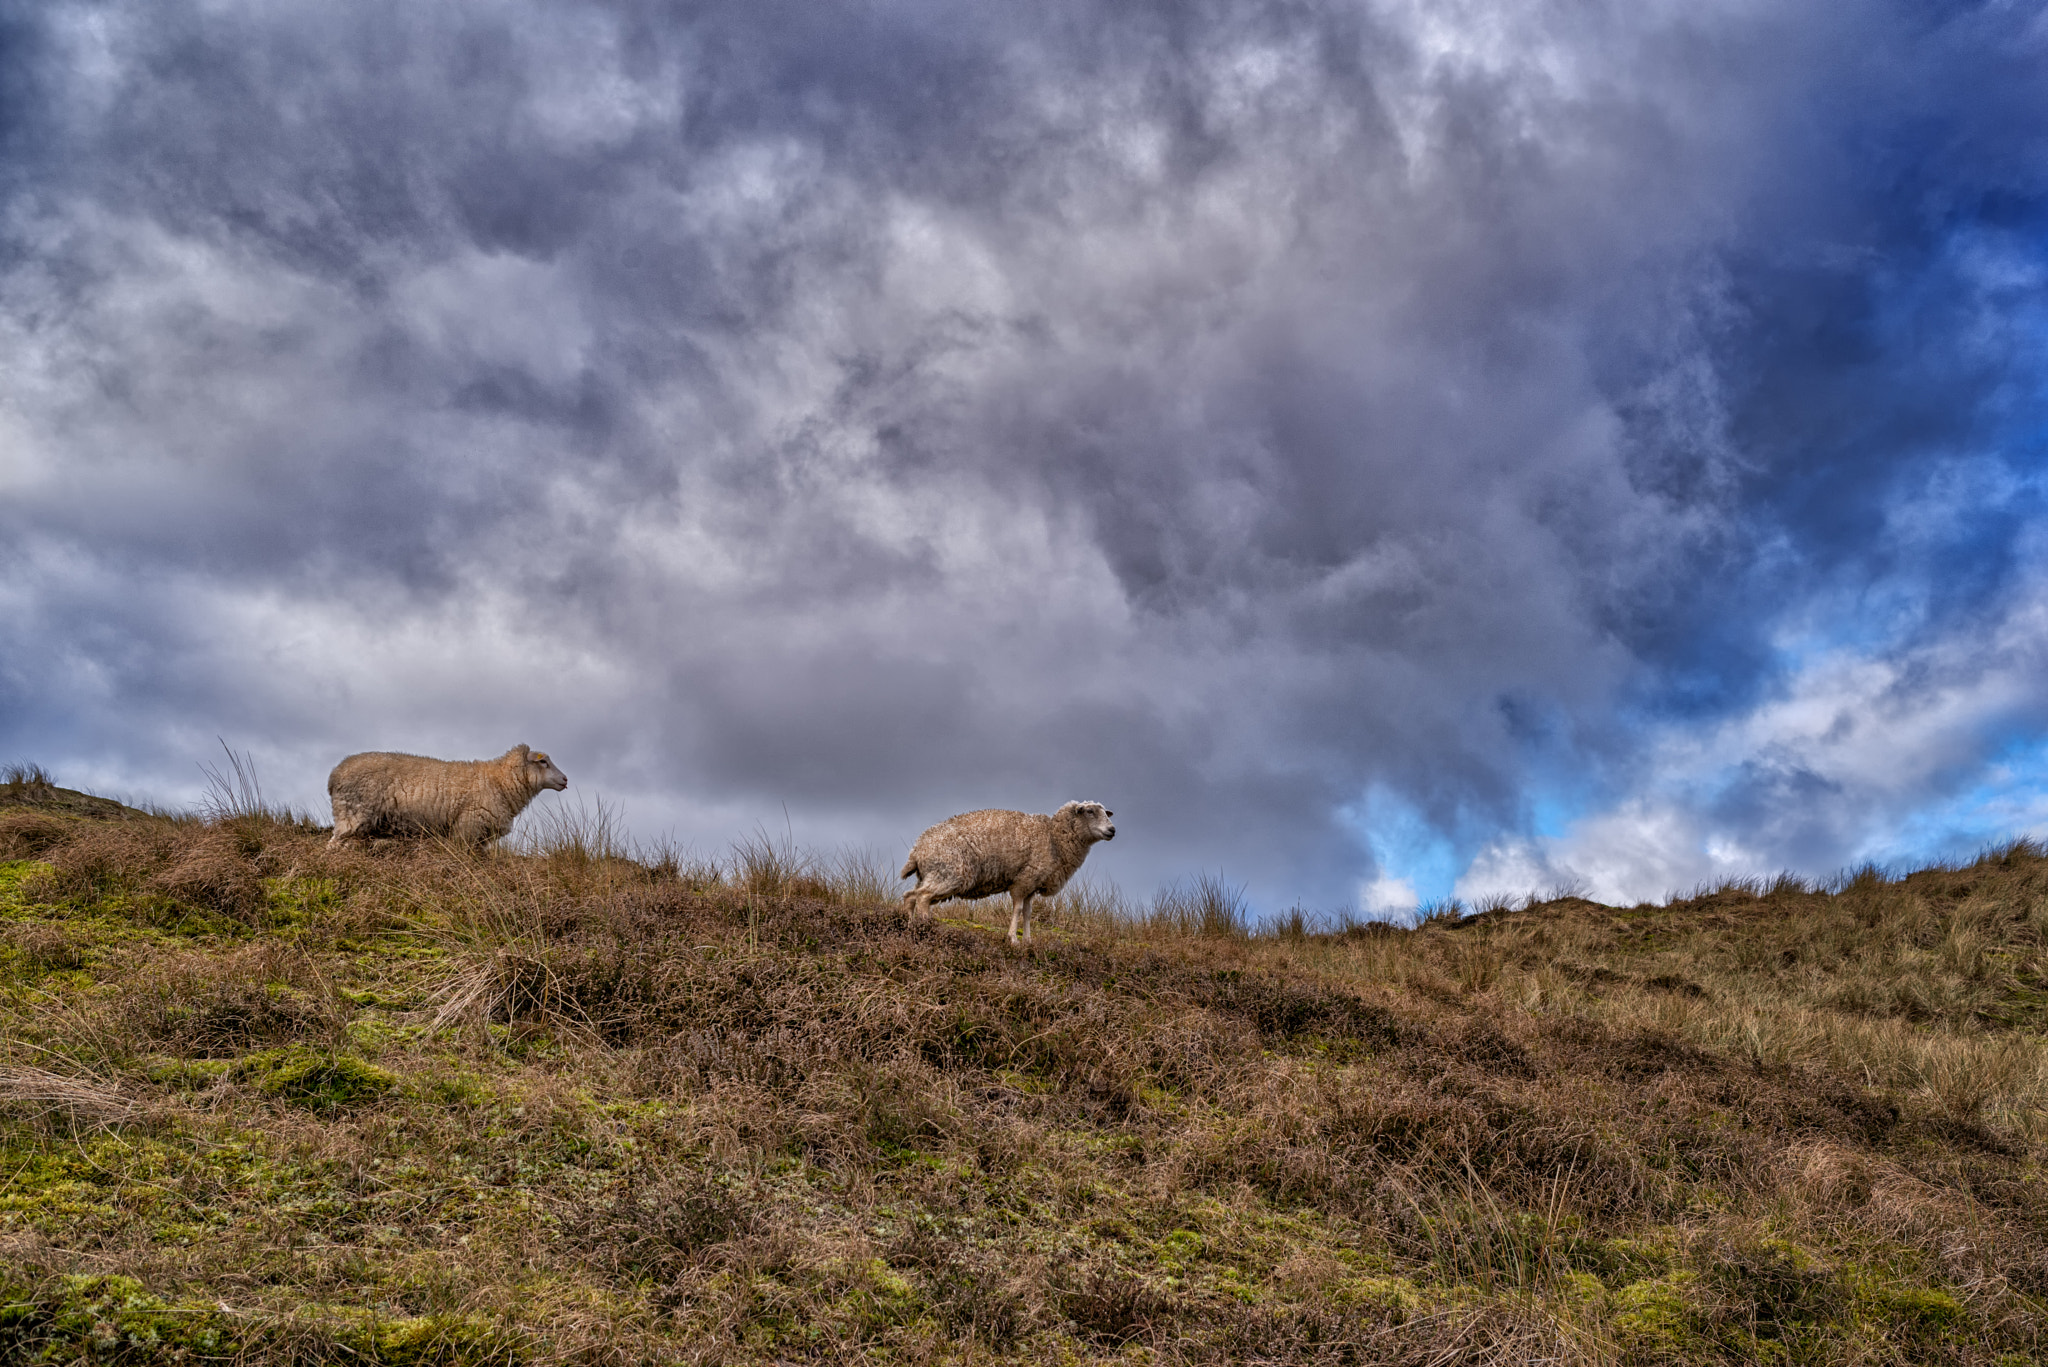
[[265, 1101]]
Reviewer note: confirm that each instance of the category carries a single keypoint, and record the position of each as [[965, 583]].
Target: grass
[[27, 782], [576, 1101]]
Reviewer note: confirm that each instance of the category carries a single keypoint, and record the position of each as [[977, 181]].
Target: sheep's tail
[[909, 868]]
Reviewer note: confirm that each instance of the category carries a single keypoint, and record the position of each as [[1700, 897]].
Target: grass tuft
[[1206, 905], [39, 1093], [579, 834], [235, 793], [26, 783]]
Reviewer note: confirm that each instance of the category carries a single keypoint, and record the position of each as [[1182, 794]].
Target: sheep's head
[[537, 769], [1093, 818]]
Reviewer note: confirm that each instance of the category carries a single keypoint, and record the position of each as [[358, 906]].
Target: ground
[[263, 1102]]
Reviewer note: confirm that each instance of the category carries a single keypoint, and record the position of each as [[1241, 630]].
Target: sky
[[1384, 451]]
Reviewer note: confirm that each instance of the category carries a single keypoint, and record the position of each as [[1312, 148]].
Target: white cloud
[[1225, 419], [1386, 894], [1839, 766]]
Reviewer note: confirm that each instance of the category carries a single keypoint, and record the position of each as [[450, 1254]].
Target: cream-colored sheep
[[473, 800], [979, 854]]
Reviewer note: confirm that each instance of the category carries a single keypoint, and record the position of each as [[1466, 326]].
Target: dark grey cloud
[[1245, 414]]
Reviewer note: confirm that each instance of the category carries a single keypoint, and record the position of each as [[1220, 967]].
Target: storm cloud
[[1372, 447]]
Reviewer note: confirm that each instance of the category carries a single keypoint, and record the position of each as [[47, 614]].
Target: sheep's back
[[412, 792], [980, 853]]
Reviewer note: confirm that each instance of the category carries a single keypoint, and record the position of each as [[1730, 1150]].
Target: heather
[[263, 1101]]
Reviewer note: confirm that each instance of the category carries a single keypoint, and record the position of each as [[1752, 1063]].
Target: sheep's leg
[[1020, 906]]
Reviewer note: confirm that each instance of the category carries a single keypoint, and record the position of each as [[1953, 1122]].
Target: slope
[[265, 1102]]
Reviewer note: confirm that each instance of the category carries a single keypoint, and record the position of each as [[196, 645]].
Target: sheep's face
[[542, 773], [1095, 820]]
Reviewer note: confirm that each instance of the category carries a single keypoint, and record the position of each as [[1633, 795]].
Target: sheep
[[979, 854], [475, 801]]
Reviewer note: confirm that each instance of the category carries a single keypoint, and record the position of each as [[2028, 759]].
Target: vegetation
[[263, 1102]]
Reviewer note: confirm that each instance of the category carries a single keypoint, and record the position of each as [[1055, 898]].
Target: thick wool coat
[[380, 793], [979, 854]]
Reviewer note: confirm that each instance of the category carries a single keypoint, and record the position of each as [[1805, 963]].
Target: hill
[[27, 786], [265, 1102]]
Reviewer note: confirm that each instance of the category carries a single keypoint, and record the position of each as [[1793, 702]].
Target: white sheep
[[979, 854], [474, 800]]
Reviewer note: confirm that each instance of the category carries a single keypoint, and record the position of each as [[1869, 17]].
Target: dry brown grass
[[589, 1103], [41, 1094]]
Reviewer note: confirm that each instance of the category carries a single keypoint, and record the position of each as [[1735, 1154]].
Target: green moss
[[877, 1297], [120, 917], [1582, 1287], [1903, 1308], [1233, 1282], [93, 1318], [1158, 1097], [459, 1091], [15, 880], [52, 1190], [181, 918], [186, 1074], [13, 874], [315, 1078], [294, 901], [1024, 1082], [107, 1319], [1924, 1308], [427, 1339], [1784, 1254], [1654, 1315], [381, 1000], [1178, 1250], [1379, 1293], [374, 1035], [1618, 1262]]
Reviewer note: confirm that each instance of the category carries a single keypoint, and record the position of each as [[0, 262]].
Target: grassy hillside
[[260, 1102]]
